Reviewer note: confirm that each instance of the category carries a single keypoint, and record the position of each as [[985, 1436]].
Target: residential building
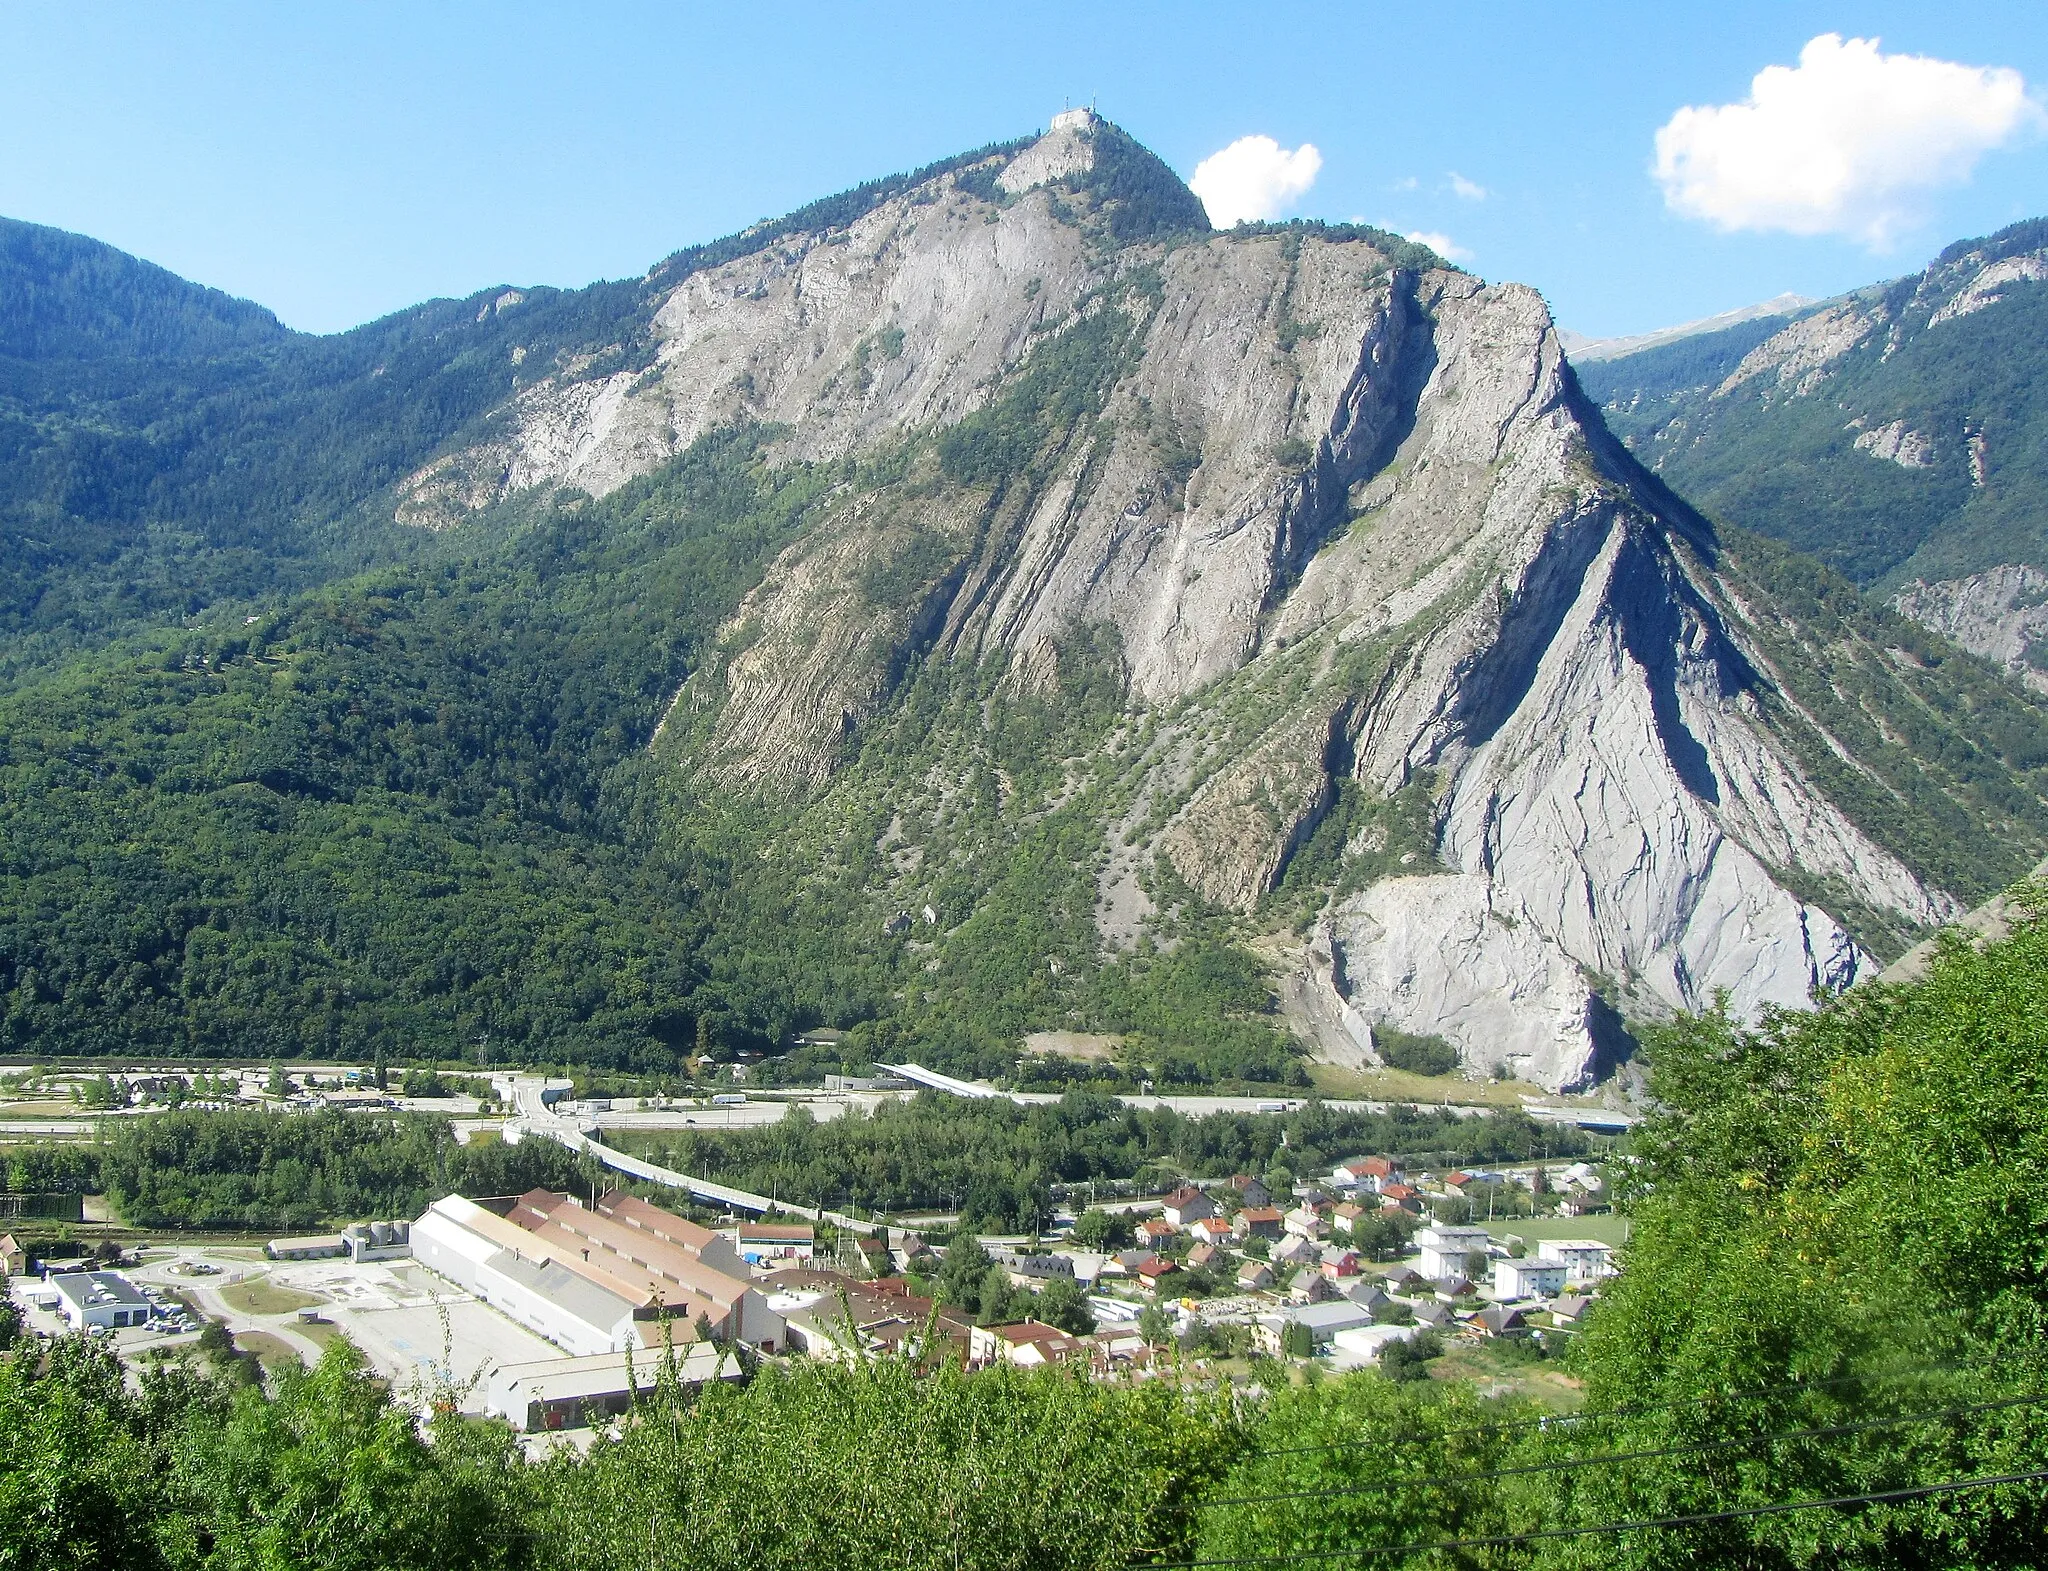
[[832, 1316], [1367, 1172], [1585, 1260], [1254, 1275], [1211, 1230], [1346, 1217], [1032, 1268], [572, 1393], [1445, 1250], [1312, 1287], [1153, 1273], [1250, 1191], [1260, 1222], [1400, 1197], [1366, 1292], [1499, 1320], [1339, 1264], [1028, 1346], [1201, 1255], [1188, 1204], [1307, 1221], [1155, 1233], [1293, 1250], [13, 1258], [99, 1298], [1529, 1277]]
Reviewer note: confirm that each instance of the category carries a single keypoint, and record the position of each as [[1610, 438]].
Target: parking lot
[[418, 1331]]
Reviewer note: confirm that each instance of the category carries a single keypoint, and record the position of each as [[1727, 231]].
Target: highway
[[1204, 1106], [537, 1118]]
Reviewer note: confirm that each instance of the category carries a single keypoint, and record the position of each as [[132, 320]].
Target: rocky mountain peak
[[1373, 573]]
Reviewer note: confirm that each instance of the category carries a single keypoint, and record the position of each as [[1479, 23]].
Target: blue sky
[[337, 162]]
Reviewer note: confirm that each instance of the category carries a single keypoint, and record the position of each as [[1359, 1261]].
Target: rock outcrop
[[2001, 614], [1354, 531]]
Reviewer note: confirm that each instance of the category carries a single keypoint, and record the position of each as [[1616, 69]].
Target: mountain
[[992, 603], [1899, 433], [64, 297], [164, 447], [1584, 350]]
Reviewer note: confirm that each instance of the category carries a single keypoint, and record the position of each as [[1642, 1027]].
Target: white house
[[1293, 1250], [1584, 1259], [1307, 1222], [1529, 1277], [1445, 1250], [99, 1298]]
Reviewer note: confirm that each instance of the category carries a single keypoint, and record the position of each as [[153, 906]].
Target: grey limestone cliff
[[1352, 531]]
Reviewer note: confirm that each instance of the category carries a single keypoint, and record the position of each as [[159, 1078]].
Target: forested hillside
[[1898, 433]]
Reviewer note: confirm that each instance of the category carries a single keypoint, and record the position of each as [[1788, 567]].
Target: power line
[[1919, 1492], [1637, 1409], [1693, 1448]]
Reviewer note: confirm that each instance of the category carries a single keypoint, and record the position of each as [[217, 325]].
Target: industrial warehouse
[[621, 1276]]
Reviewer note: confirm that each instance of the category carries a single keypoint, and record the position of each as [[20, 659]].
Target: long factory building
[[623, 1275]]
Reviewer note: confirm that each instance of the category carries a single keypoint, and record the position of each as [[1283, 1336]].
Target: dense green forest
[[1831, 1329], [995, 1161], [269, 1172]]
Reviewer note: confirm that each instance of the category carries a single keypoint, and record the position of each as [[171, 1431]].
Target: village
[[553, 1311]]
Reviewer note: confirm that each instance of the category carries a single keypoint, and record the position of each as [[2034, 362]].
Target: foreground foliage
[[1836, 1287]]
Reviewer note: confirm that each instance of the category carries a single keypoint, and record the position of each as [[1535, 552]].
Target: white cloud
[[1443, 245], [1405, 183], [1469, 190], [1254, 178], [1849, 141]]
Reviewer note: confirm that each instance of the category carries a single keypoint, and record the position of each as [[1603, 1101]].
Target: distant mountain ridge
[[1584, 350], [1899, 432]]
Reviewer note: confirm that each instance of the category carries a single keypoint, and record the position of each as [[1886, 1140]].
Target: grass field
[[1497, 1370], [1607, 1228], [324, 1332], [260, 1297]]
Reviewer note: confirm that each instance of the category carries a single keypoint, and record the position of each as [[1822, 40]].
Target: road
[[536, 1117]]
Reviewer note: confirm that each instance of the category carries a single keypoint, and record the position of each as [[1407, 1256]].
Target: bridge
[[536, 1117], [917, 1074]]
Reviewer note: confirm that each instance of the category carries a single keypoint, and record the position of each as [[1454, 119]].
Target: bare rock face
[[2001, 614], [1354, 532]]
